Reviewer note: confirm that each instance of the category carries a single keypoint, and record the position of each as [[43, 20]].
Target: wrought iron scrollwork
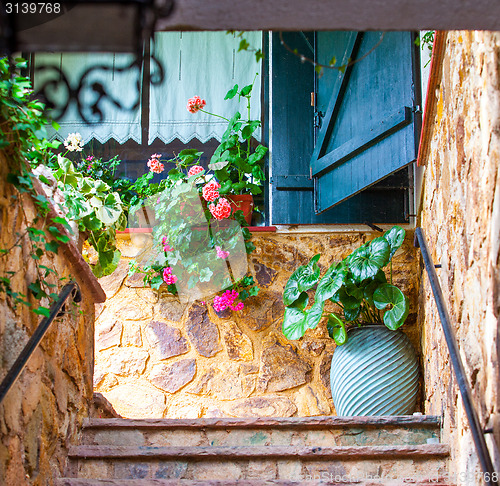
[[87, 94]]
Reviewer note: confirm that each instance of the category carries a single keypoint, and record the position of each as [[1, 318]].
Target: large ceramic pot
[[243, 202], [374, 373]]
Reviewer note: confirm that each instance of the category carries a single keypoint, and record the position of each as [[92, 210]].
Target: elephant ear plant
[[357, 284]]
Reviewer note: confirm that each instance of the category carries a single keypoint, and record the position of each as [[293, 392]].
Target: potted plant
[[374, 367], [197, 251], [237, 164]]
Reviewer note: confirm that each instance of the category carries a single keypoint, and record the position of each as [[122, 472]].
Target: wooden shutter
[[368, 131]]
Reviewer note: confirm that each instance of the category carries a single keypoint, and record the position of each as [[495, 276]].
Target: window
[[341, 142]]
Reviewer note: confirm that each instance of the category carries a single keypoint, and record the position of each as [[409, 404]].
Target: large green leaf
[[294, 323], [389, 295], [395, 237], [314, 314], [308, 275], [352, 314], [353, 290], [291, 291], [336, 329], [330, 283], [368, 259], [347, 301], [301, 302]]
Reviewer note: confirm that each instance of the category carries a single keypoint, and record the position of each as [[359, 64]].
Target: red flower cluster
[[196, 169], [210, 191], [195, 103], [222, 210], [155, 165]]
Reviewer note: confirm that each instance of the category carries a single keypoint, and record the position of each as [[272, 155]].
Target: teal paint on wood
[[292, 135], [377, 83]]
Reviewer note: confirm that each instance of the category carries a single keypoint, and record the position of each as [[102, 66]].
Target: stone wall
[[461, 218], [42, 413], [154, 358]]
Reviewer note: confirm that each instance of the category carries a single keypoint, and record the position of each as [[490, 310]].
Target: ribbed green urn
[[374, 373]]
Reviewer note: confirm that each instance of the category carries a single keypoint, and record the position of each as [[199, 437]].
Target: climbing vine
[[92, 208]]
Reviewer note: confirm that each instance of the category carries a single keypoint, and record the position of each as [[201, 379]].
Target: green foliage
[[97, 210], [237, 165], [357, 285]]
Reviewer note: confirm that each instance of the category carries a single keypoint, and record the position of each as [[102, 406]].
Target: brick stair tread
[[242, 452], [236, 482], [295, 422]]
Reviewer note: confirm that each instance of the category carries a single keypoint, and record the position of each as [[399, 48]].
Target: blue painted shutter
[[386, 73], [368, 131]]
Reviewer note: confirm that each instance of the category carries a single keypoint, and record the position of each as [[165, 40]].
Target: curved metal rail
[[458, 367], [70, 289]]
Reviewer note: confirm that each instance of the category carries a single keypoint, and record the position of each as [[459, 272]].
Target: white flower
[[74, 142]]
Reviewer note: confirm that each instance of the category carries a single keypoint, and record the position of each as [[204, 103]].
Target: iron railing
[[55, 311], [458, 367]]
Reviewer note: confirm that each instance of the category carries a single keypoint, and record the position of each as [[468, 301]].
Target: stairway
[[360, 451]]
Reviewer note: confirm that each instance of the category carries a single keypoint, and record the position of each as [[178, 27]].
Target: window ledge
[[252, 229]]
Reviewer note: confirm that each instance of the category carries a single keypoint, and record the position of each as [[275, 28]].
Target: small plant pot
[[374, 373], [243, 202]]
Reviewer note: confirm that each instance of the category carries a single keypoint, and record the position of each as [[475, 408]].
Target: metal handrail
[[458, 367], [12, 375]]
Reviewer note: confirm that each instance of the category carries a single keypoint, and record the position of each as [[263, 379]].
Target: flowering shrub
[[222, 210], [237, 165], [192, 246]]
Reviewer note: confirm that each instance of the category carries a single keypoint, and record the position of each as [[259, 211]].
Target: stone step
[[258, 462], [252, 482], [320, 431]]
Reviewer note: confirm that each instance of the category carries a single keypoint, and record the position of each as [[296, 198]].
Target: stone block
[[238, 345], [282, 368], [170, 307], [137, 401], [202, 332], [262, 310], [125, 361], [165, 341], [172, 378], [112, 283], [268, 406], [108, 334]]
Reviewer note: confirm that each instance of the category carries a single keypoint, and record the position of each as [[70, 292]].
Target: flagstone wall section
[[155, 358], [42, 413], [461, 219]]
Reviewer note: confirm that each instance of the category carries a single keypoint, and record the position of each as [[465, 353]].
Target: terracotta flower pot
[[243, 202]]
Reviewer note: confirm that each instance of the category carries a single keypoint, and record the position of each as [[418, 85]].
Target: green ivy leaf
[[291, 291], [42, 311], [314, 314], [308, 275], [336, 329], [368, 259], [232, 93], [395, 237], [246, 90], [294, 323], [330, 283], [389, 295]]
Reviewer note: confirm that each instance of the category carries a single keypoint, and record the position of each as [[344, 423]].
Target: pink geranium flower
[[222, 210], [222, 302], [166, 246], [155, 165], [210, 191], [196, 169], [221, 253], [168, 277], [195, 103]]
